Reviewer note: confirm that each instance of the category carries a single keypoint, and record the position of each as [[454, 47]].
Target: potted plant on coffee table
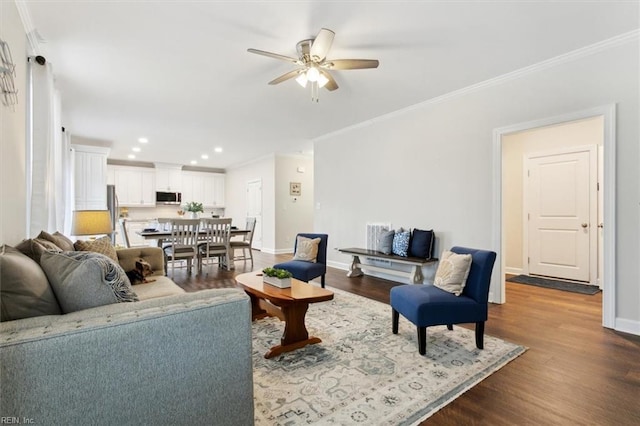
[[194, 208], [277, 277]]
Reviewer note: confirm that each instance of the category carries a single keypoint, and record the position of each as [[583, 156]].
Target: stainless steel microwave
[[168, 197]]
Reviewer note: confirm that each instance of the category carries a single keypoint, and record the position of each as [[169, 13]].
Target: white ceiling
[[179, 72]]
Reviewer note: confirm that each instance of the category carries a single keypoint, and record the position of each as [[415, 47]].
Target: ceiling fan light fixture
[[322, 80], [313, 74], [302, 79]]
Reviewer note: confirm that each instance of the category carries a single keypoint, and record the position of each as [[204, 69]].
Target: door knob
[[584, 225], [601, 225]]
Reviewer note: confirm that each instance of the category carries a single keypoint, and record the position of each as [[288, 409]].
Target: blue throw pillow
[[385, 243], [401, 243], [421, 244]]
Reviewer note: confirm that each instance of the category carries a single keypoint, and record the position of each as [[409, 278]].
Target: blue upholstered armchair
[[306, 271], [427, 305]]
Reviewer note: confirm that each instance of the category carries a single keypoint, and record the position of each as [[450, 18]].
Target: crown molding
[[29, 29], [582, 52]]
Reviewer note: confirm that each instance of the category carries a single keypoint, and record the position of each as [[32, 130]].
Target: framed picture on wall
[[295, 188]]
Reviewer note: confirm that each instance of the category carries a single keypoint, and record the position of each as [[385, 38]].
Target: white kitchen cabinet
[[202, 187], [135, 186], [168, 178], [90, 177]]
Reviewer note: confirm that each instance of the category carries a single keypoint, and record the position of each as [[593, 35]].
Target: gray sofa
[[171, 358]]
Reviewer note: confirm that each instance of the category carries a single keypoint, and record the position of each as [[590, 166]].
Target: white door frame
[[593, 205], [609, 206]]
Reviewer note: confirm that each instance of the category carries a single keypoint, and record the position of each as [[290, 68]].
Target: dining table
[[161, 235]]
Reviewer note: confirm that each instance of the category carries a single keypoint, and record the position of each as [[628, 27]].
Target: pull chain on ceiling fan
[[314, 65]]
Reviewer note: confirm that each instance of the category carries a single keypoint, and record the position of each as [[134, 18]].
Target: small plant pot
[[277, 282], [193, 215]]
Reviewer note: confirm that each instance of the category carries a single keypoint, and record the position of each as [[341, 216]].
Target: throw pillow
[[385, 243], [83, 280], [306, 249], [453, 271], [101, 245], [25, 291], [401, 243], [421, 244], [58, 239], [35, 247]]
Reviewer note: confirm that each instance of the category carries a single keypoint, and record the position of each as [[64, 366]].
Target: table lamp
[[91, 222]]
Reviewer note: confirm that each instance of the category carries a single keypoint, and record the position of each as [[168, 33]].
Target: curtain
[[49, 157]]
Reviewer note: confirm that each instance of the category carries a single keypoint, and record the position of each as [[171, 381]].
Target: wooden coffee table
[[288, 304]]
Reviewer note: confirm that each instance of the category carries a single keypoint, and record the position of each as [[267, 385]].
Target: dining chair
[[245, 243], [183, 243], [216, 243]]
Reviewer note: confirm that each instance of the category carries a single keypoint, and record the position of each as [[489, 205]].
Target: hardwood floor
[[575, 372]]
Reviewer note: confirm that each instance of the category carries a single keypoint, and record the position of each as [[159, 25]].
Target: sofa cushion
[[24, 289], [100, 245], [58, 239], [401, 243], [306, 249], [34, 247], [453, 271], [83, 280], [159, 286], [385, 242], [421, 244]]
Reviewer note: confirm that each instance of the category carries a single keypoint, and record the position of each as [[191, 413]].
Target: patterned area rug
[[361, 372]]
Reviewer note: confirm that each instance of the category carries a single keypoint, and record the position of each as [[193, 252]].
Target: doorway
[[605, 224]]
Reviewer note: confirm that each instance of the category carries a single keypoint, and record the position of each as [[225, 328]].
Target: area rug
[[555, 284], [361, 373]]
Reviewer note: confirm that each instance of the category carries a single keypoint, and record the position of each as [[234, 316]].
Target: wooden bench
[[415, 275]]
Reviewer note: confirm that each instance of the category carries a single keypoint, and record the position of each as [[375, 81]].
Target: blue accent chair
[[306, 271], [427, 305]]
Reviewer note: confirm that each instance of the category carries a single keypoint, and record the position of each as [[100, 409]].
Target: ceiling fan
[[313, 64]]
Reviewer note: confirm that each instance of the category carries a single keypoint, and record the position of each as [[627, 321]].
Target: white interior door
[[254, 209], [561, 212]]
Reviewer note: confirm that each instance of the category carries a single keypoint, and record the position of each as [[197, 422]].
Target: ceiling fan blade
[[285, 77], [322, 44], [331, 84], [351, 64], [273, 55]]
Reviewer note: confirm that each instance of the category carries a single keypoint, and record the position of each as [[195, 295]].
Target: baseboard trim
[[628, 326], [514, 271], [276, 251]]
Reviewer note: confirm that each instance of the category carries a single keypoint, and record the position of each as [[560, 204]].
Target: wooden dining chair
[[183, 243], [216, 243], [245, 243]]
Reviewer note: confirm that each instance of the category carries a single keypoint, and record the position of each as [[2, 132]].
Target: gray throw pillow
[[24, 289], [385, 243], [83, 280]]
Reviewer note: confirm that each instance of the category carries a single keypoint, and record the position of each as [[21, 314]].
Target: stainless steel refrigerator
[[114, 210]]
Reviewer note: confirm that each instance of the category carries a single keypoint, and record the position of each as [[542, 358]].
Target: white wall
[[294, 214], [515, 147], [432, 166], [13, 192], [236, 196]]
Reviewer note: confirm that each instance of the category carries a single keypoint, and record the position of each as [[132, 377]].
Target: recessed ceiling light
[[136, 149], [194, 162], [143, 140], [205, 156], [131, 156], [217, 149]]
